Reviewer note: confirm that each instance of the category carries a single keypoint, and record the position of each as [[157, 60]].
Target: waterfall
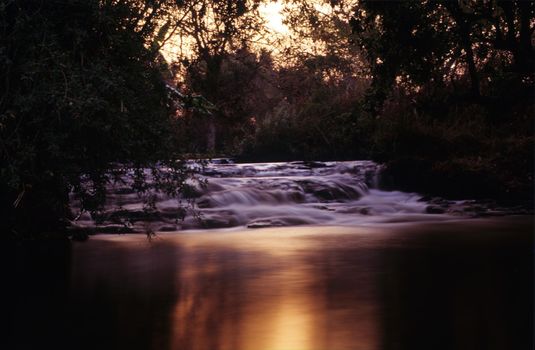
[[269, 194]]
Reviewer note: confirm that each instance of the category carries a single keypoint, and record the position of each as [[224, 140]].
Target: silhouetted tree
[[81, 90], [210, 31], [439, 41]]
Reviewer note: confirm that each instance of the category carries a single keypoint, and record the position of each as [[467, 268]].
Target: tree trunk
[[211, 135], [524, 55], [472, 70], [463, 31], [212, 91]]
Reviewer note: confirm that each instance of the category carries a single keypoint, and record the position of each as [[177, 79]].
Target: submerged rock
[[277, 222], [432, 209], [263, 223], [168, 229]]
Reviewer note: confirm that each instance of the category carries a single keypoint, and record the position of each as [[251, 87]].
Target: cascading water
[[270, 194], [279, 194], [282, 194]]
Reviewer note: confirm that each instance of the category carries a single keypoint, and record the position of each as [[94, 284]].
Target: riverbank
[[462, 179]]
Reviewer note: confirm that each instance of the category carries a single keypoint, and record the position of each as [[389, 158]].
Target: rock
[[168, 229], [114, 229], [322, 207], [364, 211], [431, 209], [222, 161], [277, 222], [312, 164], [218, 222], [263, 223], [475, 208], [204, 203], [329, 192], [425, 199]]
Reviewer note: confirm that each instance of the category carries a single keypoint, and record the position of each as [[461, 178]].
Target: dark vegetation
[[441, 91], [81, 90], [452, 90]]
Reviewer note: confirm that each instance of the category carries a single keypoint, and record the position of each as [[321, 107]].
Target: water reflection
[[239, 291], [451, 286], [471, 289], [270, 289]]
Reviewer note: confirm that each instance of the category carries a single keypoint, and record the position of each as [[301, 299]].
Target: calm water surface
[[445, 285]]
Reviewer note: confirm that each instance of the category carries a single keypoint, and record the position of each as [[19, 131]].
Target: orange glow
[[272, 12]]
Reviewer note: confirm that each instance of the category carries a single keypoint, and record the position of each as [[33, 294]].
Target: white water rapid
[[272, 194]]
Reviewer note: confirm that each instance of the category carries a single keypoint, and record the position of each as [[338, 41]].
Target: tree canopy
[[441, 42], [81, 90]]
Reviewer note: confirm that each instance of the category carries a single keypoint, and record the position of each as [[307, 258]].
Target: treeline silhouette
[[441, 91]]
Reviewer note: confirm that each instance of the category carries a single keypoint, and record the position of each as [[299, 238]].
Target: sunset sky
[[272, 12]]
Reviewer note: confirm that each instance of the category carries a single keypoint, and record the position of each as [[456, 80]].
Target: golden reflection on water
[[270, 289], [262, 291], [444, 286]]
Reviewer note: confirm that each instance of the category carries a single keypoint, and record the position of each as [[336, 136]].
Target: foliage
[[211, 33], [322, 29], [82, 92], [267, 109], [445, 145], [457, 99], [442, 42], [313, 117]]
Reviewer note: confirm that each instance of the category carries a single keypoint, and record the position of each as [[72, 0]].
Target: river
[[361, 269]]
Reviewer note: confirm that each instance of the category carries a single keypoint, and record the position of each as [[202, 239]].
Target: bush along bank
[[467, 153]]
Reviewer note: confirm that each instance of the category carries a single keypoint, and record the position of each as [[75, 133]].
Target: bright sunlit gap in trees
[[181, 44], [283, 31], [273, 13]]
